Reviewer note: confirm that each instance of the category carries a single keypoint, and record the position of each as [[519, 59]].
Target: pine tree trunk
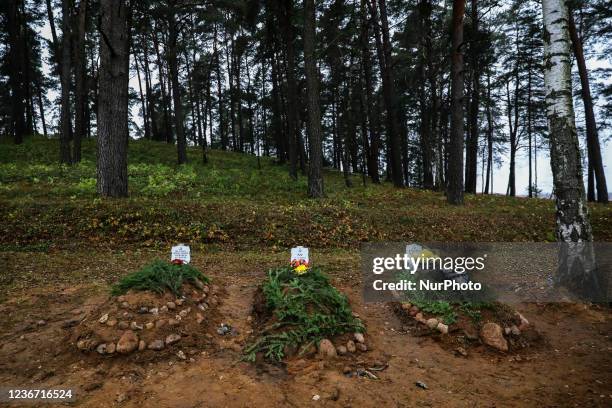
[[455, 162], [426, 113], [80, 84], [113, 99], [577, 269], [389, 97], [366, 62], [15, 72], [315, 178], [181, 142], [65, 82], [471, 154], [292, 99], [594, 149], [222, 127]]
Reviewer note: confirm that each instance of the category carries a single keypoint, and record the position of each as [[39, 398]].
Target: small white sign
[[299, 254], [181, 252]]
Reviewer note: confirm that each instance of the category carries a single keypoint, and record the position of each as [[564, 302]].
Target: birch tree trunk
[[113, 99], [577, 269]]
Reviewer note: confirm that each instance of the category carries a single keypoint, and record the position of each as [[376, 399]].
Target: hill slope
[[231, 203]]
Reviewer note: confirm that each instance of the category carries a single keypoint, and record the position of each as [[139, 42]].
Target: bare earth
[[573, 367]]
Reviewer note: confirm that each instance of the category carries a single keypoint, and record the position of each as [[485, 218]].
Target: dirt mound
[[146, 326], [345, 346], [493, 327]]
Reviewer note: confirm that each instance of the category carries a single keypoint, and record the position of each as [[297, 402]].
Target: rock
[[419, 318], [125, 305], [70, 323], [163, 309], [154, 310], [87, 344], [249, 319], [406, 306], [461, 351], [359, 337], [111, 322], [199, 318], [156, 345], [421, 384], [127, 343], [173, 322], [350, 346], [492, 335], [198, 283], [92, 386], [224, 329], [515, 330], [160, 323], [470, 333], [361, 347], [442, 328], [181, 355], [143, 310], [184, 312], [341, 350], [149, 325], [172, 338], [142, 345], [135, 326], [524, 322], [103, 319], [507, 330], [123, 325], [121, 397], [41, 323], [121, 299], [203, 306], [171, 305], [179, 302], [327, 349], [356, 315], [101, 349], [432, 323], [414, 310], [205, 289], [111, 348]]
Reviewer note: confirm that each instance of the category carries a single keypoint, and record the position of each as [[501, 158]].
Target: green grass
[[158, 277], [231, 203], [305, 309]]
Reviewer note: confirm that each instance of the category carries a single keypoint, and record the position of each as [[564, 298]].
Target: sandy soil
[[573, 367]]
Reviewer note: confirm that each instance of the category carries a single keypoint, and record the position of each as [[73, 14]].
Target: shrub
[[305, 309], [158, 277]]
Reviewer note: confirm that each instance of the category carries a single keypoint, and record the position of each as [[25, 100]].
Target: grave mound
[[163, 309]]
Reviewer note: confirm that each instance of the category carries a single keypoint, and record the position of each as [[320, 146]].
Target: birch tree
[[577, 269]]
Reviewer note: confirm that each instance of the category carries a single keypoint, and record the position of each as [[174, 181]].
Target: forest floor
[[61, 248]]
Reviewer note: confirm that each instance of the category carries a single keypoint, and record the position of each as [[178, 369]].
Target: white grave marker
[[299, 254], [181, 252]]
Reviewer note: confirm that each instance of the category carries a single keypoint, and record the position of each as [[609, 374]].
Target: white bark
[[557, 65]]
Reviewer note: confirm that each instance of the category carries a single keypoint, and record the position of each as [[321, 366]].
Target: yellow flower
[[301, 269]]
